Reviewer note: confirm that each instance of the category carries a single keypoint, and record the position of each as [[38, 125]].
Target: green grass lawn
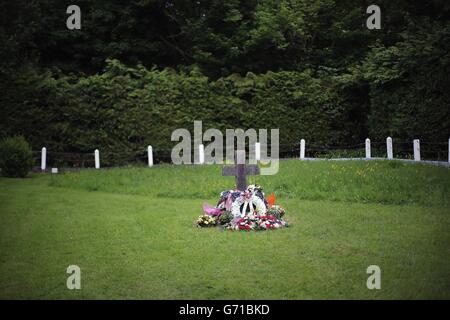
[[131, 232]]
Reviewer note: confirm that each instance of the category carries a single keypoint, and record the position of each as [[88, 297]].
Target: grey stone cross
[[240, 170]]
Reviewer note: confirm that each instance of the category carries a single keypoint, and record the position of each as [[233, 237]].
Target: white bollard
[[240, 156], [150, 156], [416, 145], [257, 151], [201, 154], [368, 153], [390, 152], [97, 159], [302, 149], [44, 158]]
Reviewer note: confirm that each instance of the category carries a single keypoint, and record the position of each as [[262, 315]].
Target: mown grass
[[131, 233], [389, 182]]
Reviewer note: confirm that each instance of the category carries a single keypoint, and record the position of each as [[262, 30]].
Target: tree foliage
[[139, 69]]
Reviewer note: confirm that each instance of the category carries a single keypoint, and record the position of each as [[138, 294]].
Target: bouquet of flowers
[[257, 222], [276, 211], [271, 222], [245, 223], [206, 221], [224, 218]]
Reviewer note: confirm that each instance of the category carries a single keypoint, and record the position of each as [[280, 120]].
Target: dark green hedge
[[399, 90], [125, 109], [16, 157]]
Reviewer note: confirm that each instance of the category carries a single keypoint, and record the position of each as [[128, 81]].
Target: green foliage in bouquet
[[225, 218], [276, 211]]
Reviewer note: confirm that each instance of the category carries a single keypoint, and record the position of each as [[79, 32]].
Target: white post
[[150, 156], [240, 157], [416, 144], [302, 149], [257, 151], [97, 159], [390, 153], [201, 154], [449, 150], [368, 153], [44, 158]]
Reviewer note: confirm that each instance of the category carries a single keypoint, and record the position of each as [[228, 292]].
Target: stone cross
[[240, 170]]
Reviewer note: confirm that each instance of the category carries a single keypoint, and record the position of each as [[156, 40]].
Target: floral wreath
[[251, 201]]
